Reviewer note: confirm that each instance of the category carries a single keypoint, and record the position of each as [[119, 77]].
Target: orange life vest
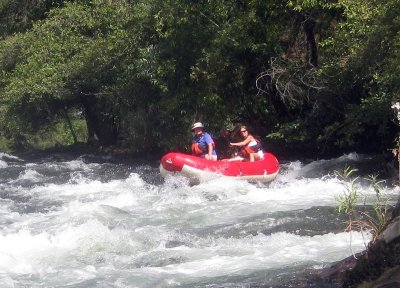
[[196, 149], [201, 148], [246, 150]]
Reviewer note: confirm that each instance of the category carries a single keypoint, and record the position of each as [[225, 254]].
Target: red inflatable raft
[[201, 169]]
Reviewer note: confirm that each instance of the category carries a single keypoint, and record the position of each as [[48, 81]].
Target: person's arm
[[244, 142], [210, 150], [210, 147]]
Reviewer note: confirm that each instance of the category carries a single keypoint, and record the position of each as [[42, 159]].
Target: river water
[[93, 222]]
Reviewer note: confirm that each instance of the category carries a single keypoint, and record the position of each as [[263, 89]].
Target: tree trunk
[[99, 127], [309, 25], [71, 128]]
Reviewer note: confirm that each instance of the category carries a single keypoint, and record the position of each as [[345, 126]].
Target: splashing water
[[88, 223]]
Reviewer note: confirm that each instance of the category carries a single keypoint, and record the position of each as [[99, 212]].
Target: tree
[[61, 64]]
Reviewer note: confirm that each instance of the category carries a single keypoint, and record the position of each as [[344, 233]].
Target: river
[[91, 221]]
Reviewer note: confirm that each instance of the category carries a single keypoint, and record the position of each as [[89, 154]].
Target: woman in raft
[[250, 147]]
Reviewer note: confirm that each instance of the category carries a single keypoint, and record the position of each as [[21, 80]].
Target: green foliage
[[59, 135], [288, 134], [142, 72], [360, 87], [380, 215], [366, 122], [62, 62], [348, 200], [363, 218], [19, 15], [5, 145]]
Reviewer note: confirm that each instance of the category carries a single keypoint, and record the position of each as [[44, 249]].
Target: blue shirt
[[203, 140]]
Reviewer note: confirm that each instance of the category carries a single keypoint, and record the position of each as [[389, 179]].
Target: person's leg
[[254, 156]]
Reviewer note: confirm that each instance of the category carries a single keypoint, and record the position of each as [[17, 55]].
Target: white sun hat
[[197, 125]]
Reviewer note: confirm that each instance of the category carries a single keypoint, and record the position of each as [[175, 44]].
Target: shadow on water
[[310, 222], [379, 165], [55, 166]]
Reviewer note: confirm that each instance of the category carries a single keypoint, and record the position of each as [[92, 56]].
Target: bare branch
[[292, 82]]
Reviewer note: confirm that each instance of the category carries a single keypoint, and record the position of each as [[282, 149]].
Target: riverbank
[[376, 267], [112, 153]]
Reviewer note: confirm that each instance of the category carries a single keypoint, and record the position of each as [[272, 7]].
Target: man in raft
[[203, 145]]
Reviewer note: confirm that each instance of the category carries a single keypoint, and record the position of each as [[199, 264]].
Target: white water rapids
[[87, 222]]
